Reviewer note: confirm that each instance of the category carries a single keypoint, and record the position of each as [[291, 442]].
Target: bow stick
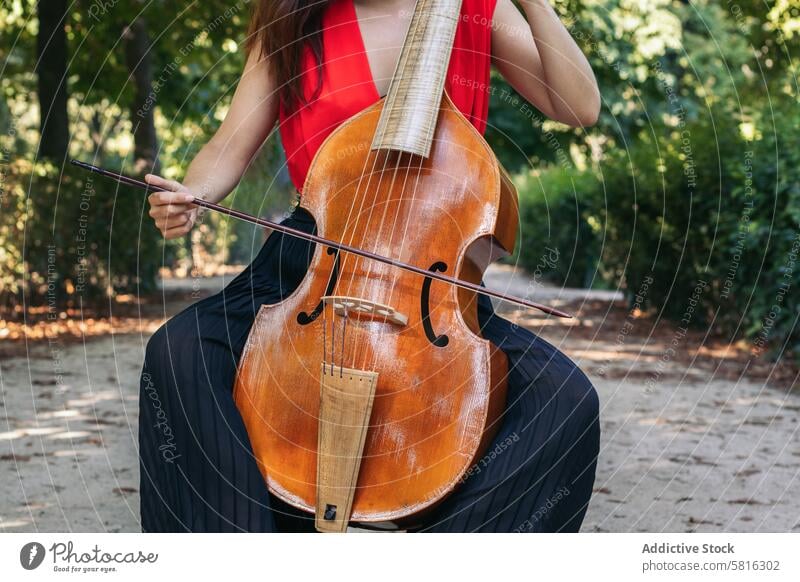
[[328, 243]]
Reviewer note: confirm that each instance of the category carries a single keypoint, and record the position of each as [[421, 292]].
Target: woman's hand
[[171, 209]]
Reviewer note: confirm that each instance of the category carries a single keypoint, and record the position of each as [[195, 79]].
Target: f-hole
[[439, 341], [304, 318]]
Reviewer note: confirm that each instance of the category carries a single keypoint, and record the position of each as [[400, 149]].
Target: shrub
[[709, 220], [70, 238], [556, 242]]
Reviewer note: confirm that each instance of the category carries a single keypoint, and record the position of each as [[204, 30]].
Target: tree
[[139, 62], [51, 68]]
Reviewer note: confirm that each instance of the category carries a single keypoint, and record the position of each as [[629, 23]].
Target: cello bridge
[[364, 308]]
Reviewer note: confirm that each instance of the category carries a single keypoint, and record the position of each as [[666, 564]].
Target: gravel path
[[689, 442]]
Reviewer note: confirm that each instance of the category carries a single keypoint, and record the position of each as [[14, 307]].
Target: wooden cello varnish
[[369, 392]]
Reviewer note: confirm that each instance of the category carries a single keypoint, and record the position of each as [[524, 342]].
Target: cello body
[[435, 408], [368, 385]]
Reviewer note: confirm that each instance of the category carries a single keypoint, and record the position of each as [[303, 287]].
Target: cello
[[369, 392]]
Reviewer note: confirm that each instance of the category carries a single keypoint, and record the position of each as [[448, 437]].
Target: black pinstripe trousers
[[197, 469]]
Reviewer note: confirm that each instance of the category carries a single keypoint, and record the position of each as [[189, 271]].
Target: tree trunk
[[51, 69], [140, 68]]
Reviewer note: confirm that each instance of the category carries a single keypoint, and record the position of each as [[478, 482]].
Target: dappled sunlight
[[71, 435], [73, 414], [13, 524], [79, 452], [20, 433], [634, 358], [92, 398], [75, 328]]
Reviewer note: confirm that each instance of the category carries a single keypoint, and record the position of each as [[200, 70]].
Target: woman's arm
[[220, 164], [538, 57]]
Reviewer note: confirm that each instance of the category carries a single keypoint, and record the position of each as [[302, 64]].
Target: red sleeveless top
[[348, 88]]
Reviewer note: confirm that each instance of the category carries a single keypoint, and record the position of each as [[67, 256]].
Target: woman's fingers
[[159, 182], [175, 226], [170, 208], [162, 198], [173, 221], [177, 231], [165, 210], [174, 192]]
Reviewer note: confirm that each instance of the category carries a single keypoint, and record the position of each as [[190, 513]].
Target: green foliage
[[767, 278], [665, 198], [690, 175], [694, 204], [67, 240], [556, 241], [67, 237]]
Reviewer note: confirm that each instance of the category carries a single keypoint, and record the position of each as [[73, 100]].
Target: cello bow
[[243, 216]]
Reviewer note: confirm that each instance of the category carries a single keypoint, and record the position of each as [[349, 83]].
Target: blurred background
[[672, 227]]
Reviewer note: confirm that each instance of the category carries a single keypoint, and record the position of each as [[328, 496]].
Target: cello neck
[[411, 109]]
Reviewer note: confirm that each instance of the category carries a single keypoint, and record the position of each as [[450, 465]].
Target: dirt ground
[[697, 435]]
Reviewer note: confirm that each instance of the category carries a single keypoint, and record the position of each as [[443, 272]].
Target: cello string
[[377, 153], [411, 36], [352, 224], [359, 343], [409, 215], [383, 329], [324, 340], [333, 334], [378, 285], [345, 261], [344, 335]]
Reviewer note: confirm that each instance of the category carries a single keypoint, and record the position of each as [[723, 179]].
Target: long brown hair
[[280, 29]]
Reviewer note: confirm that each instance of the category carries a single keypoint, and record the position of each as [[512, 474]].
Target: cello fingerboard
[[411, 109]]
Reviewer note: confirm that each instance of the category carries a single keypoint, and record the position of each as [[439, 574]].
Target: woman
[[197, 468]]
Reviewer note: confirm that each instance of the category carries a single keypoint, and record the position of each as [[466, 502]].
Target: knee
[[168, 362], [584, 394], [157, 347], [579, 395], [171, 342]]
